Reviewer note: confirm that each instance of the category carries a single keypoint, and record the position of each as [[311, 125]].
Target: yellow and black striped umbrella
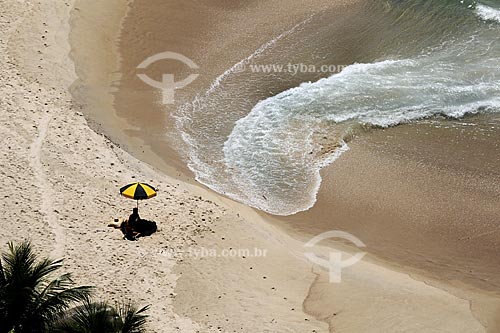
[[138, 191]]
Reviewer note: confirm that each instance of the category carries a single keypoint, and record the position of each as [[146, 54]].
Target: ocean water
[[262, 139]]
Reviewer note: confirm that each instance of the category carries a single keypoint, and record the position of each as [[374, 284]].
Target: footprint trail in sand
[[45, 188]]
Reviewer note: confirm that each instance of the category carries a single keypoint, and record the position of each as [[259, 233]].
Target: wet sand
[[425, 199], [208, 37], [415, 187], [424, 195]]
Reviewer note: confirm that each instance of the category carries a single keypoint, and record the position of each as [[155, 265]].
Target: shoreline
[[99, 63], [424, 280], [173, 285], [64, 164], [424, 215], [239, 207]]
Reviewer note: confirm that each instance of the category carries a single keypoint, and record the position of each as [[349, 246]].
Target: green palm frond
[[90, 317], [18, 261], [133, 319], [28, 296], [44, 268], [100, 317], [32, 302], [62, 289], [22, 267], [3, 307], [2, 276], [54, 306]]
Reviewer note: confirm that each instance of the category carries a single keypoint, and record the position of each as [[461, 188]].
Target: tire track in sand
[[45, 188]]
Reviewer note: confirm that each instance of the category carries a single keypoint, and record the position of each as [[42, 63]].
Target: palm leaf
[[90, 317], [2, 276], [133, 320], [30, 298], [56, 304], [100, 317], [3, 307]]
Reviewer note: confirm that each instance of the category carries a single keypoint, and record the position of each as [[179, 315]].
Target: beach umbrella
[[138, 191]]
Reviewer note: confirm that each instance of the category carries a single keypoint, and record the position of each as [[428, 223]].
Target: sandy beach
[[74, 114]]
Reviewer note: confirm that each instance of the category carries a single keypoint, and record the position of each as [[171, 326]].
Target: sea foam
[[488, 13], [269, 154], [272, 153]]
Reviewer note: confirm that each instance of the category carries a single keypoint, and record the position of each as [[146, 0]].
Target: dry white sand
[[60, 179], [60, 185]]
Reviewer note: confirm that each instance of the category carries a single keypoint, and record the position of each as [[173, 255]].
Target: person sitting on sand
[[141, 227], [127, 230], [134, 219], [134, 227]]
